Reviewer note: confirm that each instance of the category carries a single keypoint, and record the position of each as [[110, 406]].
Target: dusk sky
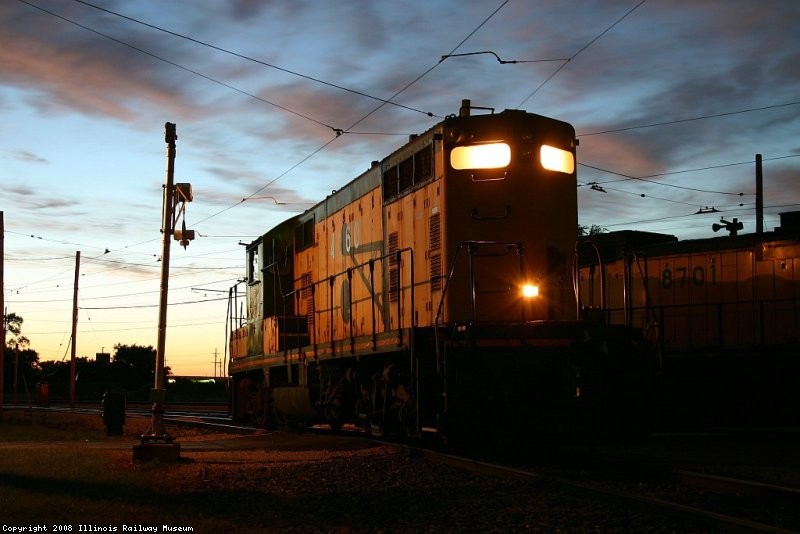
[[280, 103]]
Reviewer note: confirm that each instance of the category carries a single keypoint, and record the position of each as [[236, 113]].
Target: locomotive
[[723, 314], [434, 296]]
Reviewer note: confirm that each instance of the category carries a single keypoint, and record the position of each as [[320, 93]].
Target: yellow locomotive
[[434, 294], [722, 312]]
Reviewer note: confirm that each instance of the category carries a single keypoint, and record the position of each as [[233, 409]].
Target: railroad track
[[711, 501], [640, 500], [209, 416]]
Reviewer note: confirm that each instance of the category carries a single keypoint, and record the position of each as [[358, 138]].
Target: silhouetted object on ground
[[114, 411]]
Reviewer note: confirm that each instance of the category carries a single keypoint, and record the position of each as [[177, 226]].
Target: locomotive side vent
[[435, 245], [394, 268], [308, 296], [436, 272]]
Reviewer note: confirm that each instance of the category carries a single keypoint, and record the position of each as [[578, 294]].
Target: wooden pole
[[2, 309], [150, 448], [73, 353], [157, 430], [759, 196]]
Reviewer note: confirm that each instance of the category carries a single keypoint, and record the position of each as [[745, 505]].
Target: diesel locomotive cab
[[511, 210]]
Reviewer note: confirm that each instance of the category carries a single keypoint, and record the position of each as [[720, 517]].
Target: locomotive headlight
[[556, 159], [486, 156], [530, 291]]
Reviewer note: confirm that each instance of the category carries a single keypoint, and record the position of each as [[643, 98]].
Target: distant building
[[102, 358]]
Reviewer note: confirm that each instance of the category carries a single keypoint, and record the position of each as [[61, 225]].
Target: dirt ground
[[59, 472]]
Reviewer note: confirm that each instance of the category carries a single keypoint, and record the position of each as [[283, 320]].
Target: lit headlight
[[556, 159], [530, 291], [486, 156]]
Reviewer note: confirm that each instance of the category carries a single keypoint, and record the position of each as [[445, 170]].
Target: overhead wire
[[504, 61], [576, 54], [627, 177], [692, 215], [684, 171], [252, 59], [359, 121], [643, 195], [689, 119], [601, 185], [179, 66]]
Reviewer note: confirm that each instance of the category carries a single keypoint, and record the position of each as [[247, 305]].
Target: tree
[[133, 367], [591, 230], [21, 362], [13, 325]]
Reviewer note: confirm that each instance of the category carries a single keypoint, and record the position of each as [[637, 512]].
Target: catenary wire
[[690, 119], [573, 56], [254, 60], [177, 65]]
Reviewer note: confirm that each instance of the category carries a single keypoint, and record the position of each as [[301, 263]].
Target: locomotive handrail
[[440, 363], [757, 335], [451, 272], [232, 318], [654, 326], [471, 244], [576, 275], [331, 280]]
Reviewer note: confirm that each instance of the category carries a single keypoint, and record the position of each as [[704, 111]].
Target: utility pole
[[74, 331], [759, 196], [215, 363], [2, 308], [16, 371], [173, 194]]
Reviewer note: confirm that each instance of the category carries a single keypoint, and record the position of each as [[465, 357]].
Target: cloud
[[64, 68], [33, 198], [27, 157], [19, 190]]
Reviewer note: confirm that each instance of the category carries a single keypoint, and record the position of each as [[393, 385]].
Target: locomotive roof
[[614, 245], [371, 178]]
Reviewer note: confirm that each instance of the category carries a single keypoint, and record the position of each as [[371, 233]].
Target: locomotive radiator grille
[[394, 268]]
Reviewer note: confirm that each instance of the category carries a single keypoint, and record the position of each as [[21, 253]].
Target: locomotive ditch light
[[485, 156], [530, 291], [556, 159]]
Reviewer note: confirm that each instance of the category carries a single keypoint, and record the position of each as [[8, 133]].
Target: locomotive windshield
[[485, 156]]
